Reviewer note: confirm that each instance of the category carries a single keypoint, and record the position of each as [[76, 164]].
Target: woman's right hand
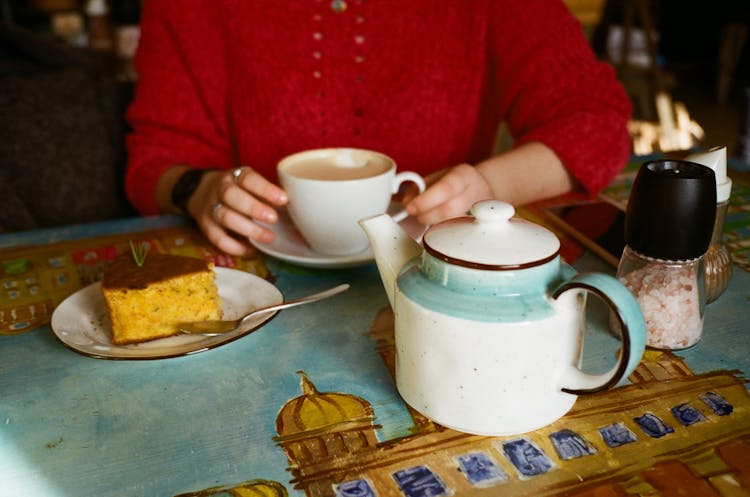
[[227, 205]]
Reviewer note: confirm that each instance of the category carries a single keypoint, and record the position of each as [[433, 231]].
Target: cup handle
[[625, 307], [402, 178]]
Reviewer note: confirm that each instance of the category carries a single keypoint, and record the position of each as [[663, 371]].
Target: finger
[[454, 207], [220, 237], [224, 242], [258, 185], [451, 196], [244, 203], [407, 193], [229, 219], [449, 186]]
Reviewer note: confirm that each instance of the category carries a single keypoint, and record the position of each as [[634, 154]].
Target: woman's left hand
[[451, 194], [231, 207]]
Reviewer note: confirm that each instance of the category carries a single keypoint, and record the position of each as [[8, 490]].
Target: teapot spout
[[392, 248]]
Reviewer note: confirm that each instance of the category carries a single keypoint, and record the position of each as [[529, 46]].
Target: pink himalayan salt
[[669, 299]]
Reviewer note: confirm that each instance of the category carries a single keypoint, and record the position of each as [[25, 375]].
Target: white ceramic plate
[[290, 246], [81, 321]]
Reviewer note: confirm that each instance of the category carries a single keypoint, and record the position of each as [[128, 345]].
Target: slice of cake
[[147, 301]]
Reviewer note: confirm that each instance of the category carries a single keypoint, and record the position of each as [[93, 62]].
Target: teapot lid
[[491, 238]]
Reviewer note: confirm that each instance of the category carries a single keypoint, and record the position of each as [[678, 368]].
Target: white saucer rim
[[314, 259]]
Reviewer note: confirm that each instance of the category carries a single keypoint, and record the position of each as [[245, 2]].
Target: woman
[[226, 89]]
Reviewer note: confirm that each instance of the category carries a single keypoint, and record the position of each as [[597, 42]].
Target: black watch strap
[[185, 186]]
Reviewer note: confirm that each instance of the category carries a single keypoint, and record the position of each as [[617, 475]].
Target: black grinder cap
[[671, 210]]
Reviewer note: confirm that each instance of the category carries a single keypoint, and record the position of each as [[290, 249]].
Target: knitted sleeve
[[555, 91], [178, 112]]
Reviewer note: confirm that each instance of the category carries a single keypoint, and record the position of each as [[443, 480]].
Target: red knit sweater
[[230, 82]]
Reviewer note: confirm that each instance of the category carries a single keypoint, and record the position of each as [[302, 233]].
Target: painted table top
[[307, 406]]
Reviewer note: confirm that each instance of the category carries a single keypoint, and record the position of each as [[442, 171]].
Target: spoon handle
[[295, 302], [219, 327]]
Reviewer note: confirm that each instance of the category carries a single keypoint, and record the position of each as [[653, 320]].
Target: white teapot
[[489, 323]]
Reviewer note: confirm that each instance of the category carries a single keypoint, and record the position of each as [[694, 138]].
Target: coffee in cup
[[331, 189]]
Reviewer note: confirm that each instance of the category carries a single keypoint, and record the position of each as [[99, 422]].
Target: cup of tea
[[331, 189]]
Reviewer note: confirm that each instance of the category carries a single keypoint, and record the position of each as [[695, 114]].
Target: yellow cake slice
[[146, 302]]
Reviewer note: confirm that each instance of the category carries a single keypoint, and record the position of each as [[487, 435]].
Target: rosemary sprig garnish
[[139, 251]]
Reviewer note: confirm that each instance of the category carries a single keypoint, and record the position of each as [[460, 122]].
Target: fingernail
[[269, 217], [267, 237]]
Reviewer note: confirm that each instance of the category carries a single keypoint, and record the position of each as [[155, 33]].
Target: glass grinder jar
[[717, 261], [668, 225]]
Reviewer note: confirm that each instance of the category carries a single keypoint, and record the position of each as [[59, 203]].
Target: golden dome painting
[[313, 411], [667, 433]]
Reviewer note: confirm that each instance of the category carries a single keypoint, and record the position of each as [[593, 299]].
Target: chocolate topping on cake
[[123, 272]]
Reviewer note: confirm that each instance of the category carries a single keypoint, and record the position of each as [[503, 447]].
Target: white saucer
[[290, 246], [82, 324]]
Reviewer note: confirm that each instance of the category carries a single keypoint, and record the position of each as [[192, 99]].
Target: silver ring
[[214, 209], [237, 174]]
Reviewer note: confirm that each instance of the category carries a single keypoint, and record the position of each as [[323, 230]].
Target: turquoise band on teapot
[[506, 296]]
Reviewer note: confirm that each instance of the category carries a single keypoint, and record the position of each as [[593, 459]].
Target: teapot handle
[[625, 307]]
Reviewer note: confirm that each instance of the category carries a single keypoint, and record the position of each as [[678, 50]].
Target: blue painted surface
[[527, 458], [72, 425], [653, 426], [617, 434], [419, 481], [687, 415], [480, 470], [49, 236], [570, 445], [354, 488], [717, 403]]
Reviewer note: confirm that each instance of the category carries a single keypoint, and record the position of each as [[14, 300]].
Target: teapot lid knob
[[491, 238], [492, 211]]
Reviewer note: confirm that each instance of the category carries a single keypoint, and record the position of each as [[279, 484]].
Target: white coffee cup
[[331, 189]]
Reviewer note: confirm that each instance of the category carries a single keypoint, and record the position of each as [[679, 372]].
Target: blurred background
[[694, 52], [66, 78]]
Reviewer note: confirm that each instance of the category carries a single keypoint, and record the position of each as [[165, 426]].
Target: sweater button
[[338, 5]]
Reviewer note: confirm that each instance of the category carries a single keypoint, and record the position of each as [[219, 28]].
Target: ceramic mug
[[331, 189]]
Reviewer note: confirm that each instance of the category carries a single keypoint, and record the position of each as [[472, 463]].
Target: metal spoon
[[219, 327]]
